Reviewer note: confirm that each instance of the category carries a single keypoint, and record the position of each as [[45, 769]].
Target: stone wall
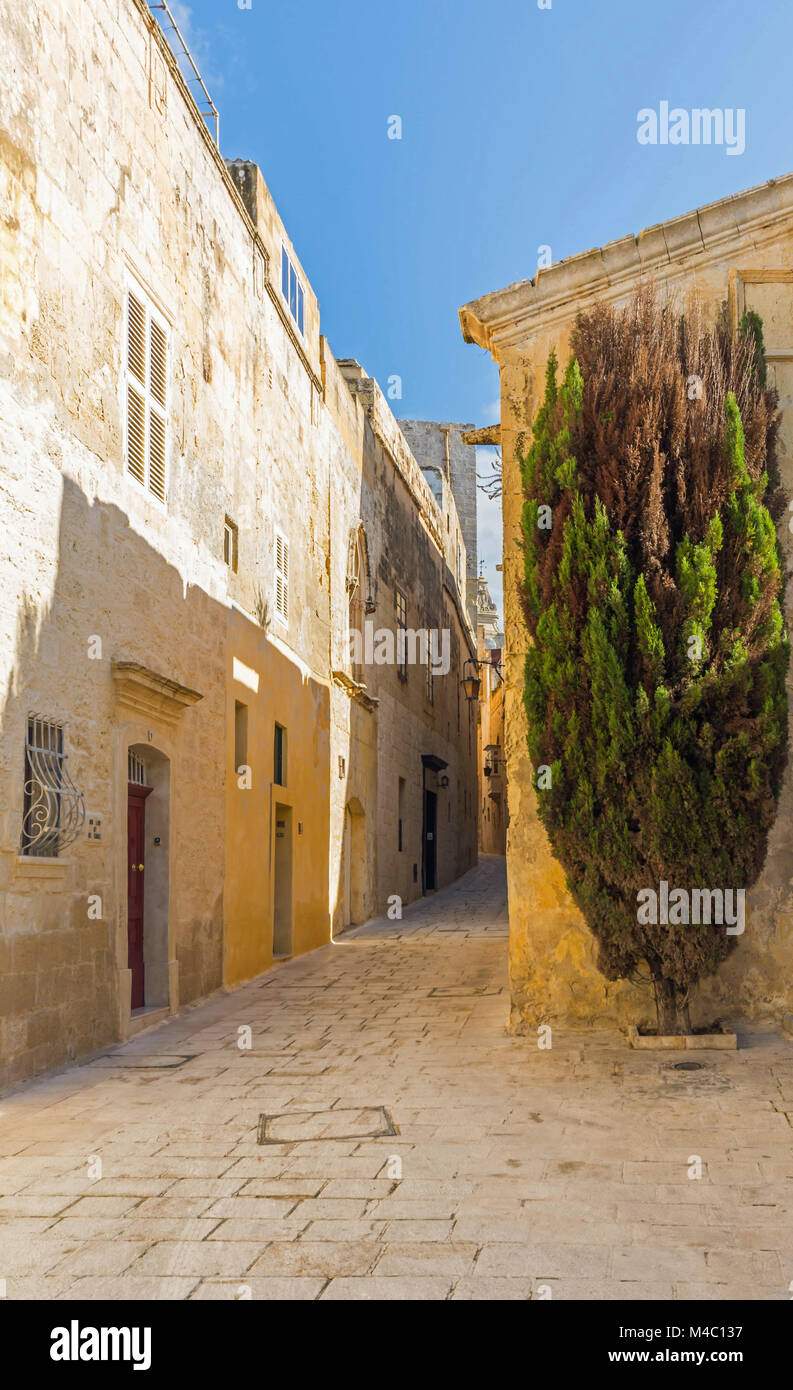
[[492, 784], [445, 459], [102, 191], [409, 543], [739, 252], [119, 615]]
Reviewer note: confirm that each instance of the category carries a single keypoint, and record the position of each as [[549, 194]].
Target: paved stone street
[[410, 1148]]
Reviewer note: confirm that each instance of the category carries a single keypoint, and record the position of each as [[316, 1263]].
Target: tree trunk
[[671, 1007]]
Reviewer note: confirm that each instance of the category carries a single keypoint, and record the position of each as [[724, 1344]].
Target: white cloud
[[183, 16], [198, 45]]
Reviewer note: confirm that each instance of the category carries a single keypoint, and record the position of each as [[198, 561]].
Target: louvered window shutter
[[282, 577], [136, 434], [137, 339], [147, 375]]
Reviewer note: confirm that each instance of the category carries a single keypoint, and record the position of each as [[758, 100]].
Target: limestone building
[[738, 252], [490, 725], [448, 461], [196, 502]]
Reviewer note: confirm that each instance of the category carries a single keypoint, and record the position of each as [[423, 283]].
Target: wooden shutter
[[156, 455], [282, 577], [147, 378], [136, 339], [158, 360], [158, 363], [136, 434]]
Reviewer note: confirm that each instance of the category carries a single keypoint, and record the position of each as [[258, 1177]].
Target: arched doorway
[[148, 833], [354, 861]]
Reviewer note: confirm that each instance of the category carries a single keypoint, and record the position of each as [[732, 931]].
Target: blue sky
[[519, 129]]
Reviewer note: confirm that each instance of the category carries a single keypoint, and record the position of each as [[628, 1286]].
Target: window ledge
[[35, 866], [355, 690]]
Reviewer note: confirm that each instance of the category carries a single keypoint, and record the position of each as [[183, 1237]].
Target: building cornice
[[387, 431], [147, 693], [356, 690], [510, 316], [489, 435]]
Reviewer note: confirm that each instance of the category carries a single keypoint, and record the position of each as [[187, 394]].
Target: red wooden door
[[136, 824]]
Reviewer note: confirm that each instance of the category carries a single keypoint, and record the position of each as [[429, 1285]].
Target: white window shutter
[[282, 576], [157, 455], [285, 547], [147, 384], [136, 339], [158, 363], [136, 434]]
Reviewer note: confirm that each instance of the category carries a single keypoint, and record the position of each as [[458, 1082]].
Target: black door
[[430, 839], [136, 823]]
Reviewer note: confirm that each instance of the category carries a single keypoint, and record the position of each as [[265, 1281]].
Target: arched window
[[359, 598]]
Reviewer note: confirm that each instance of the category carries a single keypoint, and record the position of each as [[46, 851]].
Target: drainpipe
[[445, 429]]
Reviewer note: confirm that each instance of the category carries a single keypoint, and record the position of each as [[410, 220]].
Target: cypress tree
[[652, 589]]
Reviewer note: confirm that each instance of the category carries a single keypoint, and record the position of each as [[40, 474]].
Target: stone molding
[[148, 694], [356, 691], [488, 435], [509, 316]]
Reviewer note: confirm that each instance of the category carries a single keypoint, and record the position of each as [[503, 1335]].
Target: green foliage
[[752, 325], [655, 681]]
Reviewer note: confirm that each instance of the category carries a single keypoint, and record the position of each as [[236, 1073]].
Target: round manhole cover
[[689, 1066]]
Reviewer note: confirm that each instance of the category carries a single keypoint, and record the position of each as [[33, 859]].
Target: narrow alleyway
[[409, 1147]]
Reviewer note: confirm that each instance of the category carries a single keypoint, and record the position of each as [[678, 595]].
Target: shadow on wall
[[278, 813], [111, 597], [377, 862]]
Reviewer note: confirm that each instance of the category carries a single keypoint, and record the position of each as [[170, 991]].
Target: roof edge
[[703, 230]]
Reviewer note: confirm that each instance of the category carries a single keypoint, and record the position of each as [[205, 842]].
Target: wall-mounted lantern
[[470, 682]]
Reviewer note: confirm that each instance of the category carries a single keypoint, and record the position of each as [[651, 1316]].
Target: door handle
[[140, 866]]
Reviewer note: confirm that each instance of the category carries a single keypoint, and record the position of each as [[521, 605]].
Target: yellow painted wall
[[301, 704]]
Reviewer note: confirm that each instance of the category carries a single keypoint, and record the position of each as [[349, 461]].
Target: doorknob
[[140, 866]]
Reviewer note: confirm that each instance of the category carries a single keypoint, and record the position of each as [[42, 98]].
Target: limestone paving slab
[[415, 1150]]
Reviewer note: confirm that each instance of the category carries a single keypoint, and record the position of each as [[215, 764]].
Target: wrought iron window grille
[[54, 810]]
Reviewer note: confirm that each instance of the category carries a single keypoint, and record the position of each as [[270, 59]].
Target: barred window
[[136, 769], [53, 810]]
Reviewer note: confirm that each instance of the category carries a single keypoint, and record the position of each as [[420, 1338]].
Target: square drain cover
[[462, 991], [166, 1062], [373, 1122]]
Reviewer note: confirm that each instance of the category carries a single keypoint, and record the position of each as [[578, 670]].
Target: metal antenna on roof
[[213, 111]]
